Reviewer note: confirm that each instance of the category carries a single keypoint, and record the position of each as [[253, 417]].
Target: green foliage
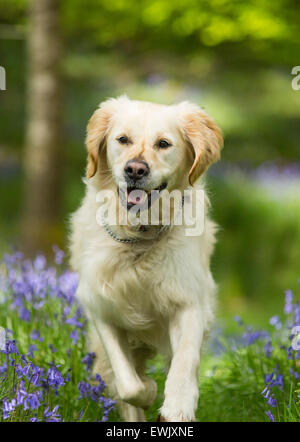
[[179, 26], [257, 372], [257, 254], [232, 57], [246, 381]]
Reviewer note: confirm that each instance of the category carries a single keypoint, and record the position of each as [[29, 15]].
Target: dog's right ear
[[97, 129]]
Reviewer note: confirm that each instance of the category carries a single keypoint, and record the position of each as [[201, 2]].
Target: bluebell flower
[[275, 320], [52, 348], [270, 416], [23, 371], [39, 262], [59, 255], [10, 348], [36, 375], [34, 419], [294, 373], [74, 336], [8, 407], [67, 310], [266, 392], [3, 369], [272, 401], [54, 377], [30, 285], [52, 416], [297, 315], [74, 322], [251, 336], [21, 394], [268, 349], [84, 389], [88, 359], [268, 377], [32, 401], [238, 320], [32, 348], [12, 259], [288, 307], [290, 351]]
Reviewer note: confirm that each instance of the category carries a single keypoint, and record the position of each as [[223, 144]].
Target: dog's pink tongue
[[136, 196]]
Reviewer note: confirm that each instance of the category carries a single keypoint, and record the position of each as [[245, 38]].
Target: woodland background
[[234, 58]]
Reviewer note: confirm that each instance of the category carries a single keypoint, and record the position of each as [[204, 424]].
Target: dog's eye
[[123, 140], [163, 144]]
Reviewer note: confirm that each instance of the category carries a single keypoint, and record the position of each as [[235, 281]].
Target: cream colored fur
[[157, 295]]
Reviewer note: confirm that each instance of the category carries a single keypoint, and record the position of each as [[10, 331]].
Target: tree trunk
[[44, 145]]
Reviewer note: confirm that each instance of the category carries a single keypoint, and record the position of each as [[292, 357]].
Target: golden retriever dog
[[146, 290]]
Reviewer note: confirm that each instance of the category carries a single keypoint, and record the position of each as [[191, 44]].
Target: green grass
[[230, 384], [230, 390]]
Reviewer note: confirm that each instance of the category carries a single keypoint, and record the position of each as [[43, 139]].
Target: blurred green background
[[235, 59]]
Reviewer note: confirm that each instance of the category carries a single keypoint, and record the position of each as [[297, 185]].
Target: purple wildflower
[[74, 322], [268, 377], [275, 320], [108, 405], [296, 317], [52, 348], [288, 307], [10, 348], [67, 310], [84, 389], [58, 255], [8, 407], [251, 336], [238, 320], [52, 416], [32, 348], [3, 369], [40, 262], [74, 336], [97, 390], [24, 314], [34, 419], [33, 400], [268, 349], [54, 377], [36, 375], [88, 359], [272, 401], [270, 416], [289, 351], [23, 371], [294, 373]]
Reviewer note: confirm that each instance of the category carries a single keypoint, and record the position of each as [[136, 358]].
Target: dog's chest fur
[[140, 286], [131, 284]]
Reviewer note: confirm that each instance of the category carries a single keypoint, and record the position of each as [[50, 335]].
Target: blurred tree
[[236, 55], [43, 152], [262, 30]]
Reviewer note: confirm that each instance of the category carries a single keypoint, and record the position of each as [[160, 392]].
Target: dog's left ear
[[205, 137]]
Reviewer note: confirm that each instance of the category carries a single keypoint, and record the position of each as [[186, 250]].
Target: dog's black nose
[[136, 169]]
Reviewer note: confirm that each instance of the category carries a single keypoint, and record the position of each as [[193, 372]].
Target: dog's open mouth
[[133, 196]]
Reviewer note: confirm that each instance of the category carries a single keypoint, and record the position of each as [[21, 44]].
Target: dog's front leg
[[181, 389], [129, 386]]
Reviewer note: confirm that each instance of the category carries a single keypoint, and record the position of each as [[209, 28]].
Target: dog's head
[[151, 146]]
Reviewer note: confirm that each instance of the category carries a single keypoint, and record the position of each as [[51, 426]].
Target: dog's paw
[[141, 395], [175, 417], [150, 389], [180, 404]]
